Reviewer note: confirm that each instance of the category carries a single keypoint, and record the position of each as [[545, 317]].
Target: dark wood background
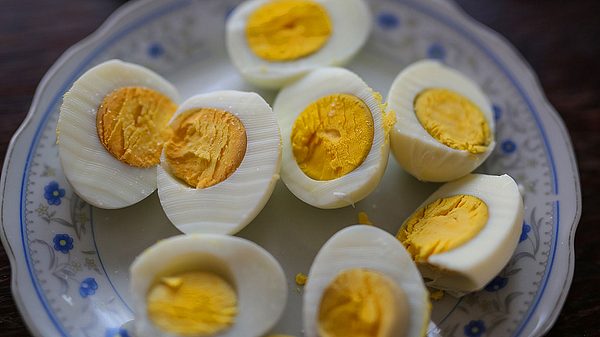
[[560, 39]]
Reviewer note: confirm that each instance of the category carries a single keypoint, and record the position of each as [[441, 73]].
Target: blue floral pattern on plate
[[53, 193]]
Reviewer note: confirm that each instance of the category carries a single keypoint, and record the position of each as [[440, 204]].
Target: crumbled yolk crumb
[[362, 303], [443, 225], [132, 125], [453, 120], [207, 146], [285, 30], [332, 136], [363, 218], [301, 279], [436, 295], [192, 304]]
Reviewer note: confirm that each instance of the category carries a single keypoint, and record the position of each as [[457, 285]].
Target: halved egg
[[221, 163], [335, 137], [364, 283], [445, 125], [273, 42], [206, 285], [465, 232], [111, 130]]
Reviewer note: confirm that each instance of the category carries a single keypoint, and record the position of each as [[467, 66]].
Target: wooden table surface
[[560, 39]]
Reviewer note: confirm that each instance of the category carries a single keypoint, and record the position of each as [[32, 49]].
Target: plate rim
[[484, 33]]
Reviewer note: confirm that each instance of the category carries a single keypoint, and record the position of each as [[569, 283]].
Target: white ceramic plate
[[70, 261]]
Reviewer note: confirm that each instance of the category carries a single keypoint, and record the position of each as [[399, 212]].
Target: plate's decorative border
[[68, 272]]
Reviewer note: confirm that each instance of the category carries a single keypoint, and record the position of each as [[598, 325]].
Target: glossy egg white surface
[[228, 206], [363, 246], [256, 276], [351, 25], [413, 147], [473, 264], [359, 183], [96, 176]]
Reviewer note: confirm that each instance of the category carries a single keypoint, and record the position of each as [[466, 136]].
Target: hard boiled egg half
[[221, 163], [364, 283], [335, 137], [111, 130], [273, 42], [445, 126], [206, 285], [465, 232]]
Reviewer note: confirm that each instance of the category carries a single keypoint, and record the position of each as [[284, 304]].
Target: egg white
[[96, 176], [363, 246], [413, 147], [351, 25], [470, 266], [228, 206], [256, 276], [359, 183]]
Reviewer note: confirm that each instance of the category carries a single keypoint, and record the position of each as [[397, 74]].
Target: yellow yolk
[[362, 303], [285, 30], [332, 136], [443, 225], [132, 125], [453, 120], [207, 146], [192, 304], [301, 279], [363, 218]]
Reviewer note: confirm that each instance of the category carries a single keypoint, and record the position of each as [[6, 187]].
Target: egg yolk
[[362, 303], [207, 146], [363, 218], [453, 120], [285, 30], [443, 225], [332, 136], [192, 304], [301, 279], [132, 125]]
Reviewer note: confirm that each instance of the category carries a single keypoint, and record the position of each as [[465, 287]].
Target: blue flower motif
[[474, 328], [88, 287], [53, 193], [63, 243], [496, 284], [436, 51], [508, 146], [524, 232], [156, 50], [387, 20], [497, 112], [116, 332]]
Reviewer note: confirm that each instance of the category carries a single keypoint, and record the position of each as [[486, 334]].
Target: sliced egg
[[111, 130], [364, 283], [335, 137], [206, 285], [445, 126], [273, 42], [465, 232], [221, 164]]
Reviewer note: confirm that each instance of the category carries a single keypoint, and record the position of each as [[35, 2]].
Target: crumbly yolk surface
[[332, 136], [132, 125], [443, 225], [192, 304], [285, 30], [453, 120], [362, 303], [207, 146]]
